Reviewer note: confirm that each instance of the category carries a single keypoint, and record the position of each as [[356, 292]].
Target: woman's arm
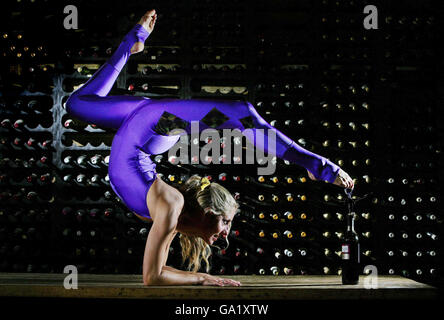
[[156, 249], [155, 272], [207, 280], [160, 274]]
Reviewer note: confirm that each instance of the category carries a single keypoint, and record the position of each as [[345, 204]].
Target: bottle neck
[[351, 221]]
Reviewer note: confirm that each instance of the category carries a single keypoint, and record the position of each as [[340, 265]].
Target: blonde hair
[[199, 195]]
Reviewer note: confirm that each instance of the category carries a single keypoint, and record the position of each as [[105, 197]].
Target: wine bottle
[[350, 253]]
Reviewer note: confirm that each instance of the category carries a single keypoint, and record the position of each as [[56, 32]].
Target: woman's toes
[[148, 20]]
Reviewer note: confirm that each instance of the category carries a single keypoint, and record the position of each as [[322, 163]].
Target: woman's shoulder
[[165, 199], [170, 195]]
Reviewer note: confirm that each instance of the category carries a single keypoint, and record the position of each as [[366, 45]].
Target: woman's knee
[[72, 103]]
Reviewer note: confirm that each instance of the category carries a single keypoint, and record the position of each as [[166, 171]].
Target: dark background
[[315, 56]]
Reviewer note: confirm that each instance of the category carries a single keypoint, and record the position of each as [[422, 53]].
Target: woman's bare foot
[[342, 180], [147, 21]]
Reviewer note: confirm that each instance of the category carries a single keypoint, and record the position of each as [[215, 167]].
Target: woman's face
[[218, 226]]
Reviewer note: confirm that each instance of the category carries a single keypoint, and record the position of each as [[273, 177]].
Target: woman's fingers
[[213, 282], [221, 282], [231, 282], [153, 22]]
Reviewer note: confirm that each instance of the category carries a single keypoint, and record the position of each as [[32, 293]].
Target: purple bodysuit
[[141, 132]]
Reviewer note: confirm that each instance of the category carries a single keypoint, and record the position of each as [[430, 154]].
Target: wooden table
[[253, 288]]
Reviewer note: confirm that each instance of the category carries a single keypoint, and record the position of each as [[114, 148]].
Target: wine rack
[[366, 99]]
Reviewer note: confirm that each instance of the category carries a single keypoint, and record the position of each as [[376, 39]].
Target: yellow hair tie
[[204, 183]]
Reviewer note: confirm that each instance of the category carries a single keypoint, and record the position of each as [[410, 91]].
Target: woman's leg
[[287, 149], [90, 103], [243, 116]]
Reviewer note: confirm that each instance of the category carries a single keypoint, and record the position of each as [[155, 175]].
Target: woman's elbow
[[152, 279], [147, 281]]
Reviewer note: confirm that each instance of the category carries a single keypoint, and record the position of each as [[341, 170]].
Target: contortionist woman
[[200, 211]]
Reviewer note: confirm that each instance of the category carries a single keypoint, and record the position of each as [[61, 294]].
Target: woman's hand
[[209, 280]]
